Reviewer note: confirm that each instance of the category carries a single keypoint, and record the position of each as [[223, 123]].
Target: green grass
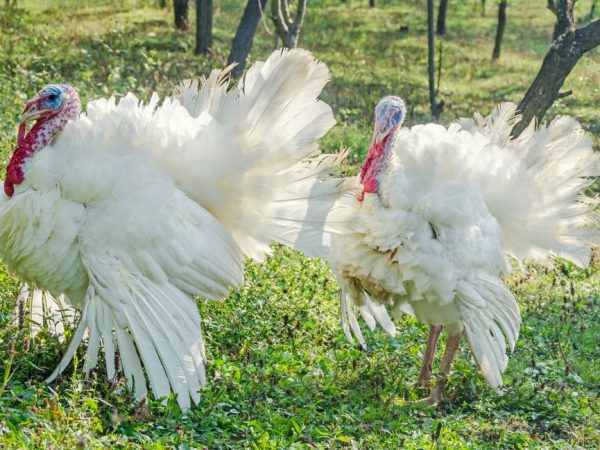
[[283, 375]]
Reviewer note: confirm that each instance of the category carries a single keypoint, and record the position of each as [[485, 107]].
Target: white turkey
[[132, 209], [438, 213]]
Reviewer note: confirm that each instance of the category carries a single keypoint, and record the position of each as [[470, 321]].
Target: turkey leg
[[432, 340], [437, 392]]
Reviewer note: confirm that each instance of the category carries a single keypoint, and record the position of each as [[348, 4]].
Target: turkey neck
[[376, 162]]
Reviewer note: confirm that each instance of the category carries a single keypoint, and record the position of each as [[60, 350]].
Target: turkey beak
[[33, 111], [381, 130]]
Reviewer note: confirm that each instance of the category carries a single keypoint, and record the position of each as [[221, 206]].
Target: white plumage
[[43, 312], [135, 208], [449, 205]]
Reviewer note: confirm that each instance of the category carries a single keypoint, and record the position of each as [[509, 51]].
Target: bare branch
[[285, 8], [278, 19], [288, 29], [300, 14], [588, 37]]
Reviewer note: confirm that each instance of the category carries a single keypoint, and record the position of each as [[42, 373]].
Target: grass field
[[283, 375]]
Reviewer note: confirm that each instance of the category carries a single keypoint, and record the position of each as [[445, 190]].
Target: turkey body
[[135, 208], [453, 203]]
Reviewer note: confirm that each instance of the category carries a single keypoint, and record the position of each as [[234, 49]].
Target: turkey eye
[[52, 97]]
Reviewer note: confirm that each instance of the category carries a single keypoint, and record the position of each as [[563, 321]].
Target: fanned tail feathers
[[271, 184], [541, 204]]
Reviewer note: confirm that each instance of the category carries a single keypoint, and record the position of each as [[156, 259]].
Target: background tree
[[441, 19], [180, 8], [162, 3], [570, 45], [288, 28], [436, 108], [502, 4], [244, 35], [371, 3], [204, 19]]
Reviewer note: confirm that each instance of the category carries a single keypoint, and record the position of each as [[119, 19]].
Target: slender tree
[[288, 27], [371, 3], [244, 35], [435, 107], [441, 19], [570, 45], [162, 3], [502, 4], [482, 8], [180, 8], [204, 19]]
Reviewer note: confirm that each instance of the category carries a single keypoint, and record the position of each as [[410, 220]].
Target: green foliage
[[282, 374]]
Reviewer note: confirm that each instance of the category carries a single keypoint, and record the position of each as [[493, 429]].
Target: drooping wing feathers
[[158, 335], [490, 317], [43, 311], [352, 294], [141, 292]]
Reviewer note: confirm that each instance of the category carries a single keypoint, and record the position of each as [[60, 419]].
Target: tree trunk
[[441, 19], [482, 8], [204, 27], [181, 14], [592, 11], [430, 60], [162, 3], [563, 9], [242, 42], [371, 3], [500, 28], [558, 63]]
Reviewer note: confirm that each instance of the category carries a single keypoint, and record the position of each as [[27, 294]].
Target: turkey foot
[[436, 395]]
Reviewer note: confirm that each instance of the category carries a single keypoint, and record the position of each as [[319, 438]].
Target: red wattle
[[371, 168], [14, 169]]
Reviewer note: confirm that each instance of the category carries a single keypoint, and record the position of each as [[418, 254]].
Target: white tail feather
[[540, 204], [271, 187]]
